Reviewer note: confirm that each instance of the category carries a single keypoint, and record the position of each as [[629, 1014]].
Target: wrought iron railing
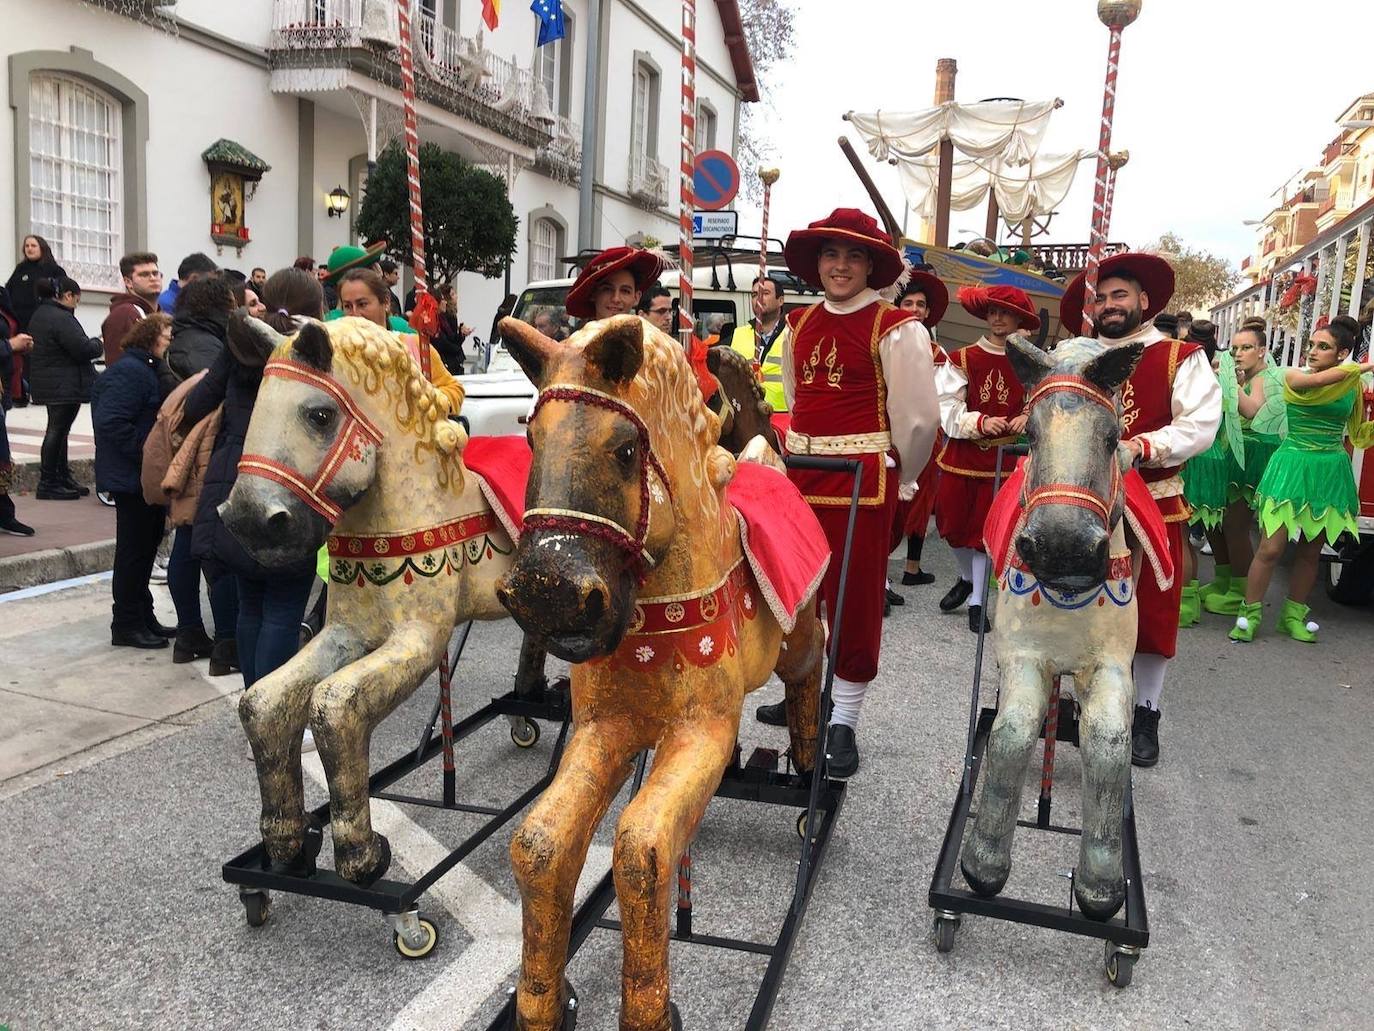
[[648, 181]]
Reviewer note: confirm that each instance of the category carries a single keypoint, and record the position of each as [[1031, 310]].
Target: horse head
[[618, 427], [329, 397], [1073, 497], [743, 407]]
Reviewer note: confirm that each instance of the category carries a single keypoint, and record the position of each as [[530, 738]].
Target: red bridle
[[589, 523], [357, 429], [1073, 493]]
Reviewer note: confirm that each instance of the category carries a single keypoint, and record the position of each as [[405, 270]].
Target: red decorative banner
[[416, 541]]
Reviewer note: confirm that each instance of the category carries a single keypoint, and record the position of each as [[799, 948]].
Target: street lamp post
[[1116, 15]]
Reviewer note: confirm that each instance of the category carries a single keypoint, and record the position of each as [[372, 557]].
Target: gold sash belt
[[843, 444]]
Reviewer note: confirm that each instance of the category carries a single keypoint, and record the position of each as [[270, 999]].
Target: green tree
[[1201, 278], [469, 223], [770, 34]]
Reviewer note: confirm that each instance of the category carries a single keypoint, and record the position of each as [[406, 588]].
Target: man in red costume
[[859, 384], [981, 406], [1171, 408]]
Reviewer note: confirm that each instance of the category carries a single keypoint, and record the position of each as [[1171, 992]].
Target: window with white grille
[[544, 249], [76, 176], [641, 112], [706, 128]]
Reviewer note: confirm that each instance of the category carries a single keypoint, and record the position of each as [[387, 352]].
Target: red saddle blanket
[[1142, 516], [783, 543]]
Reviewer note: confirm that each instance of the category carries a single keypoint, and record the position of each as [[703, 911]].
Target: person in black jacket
[[37, 265], [198, 327], [271, 601], [60, 377], [124, 404], [12, 343]]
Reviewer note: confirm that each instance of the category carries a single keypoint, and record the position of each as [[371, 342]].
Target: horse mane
[[380, 365], [742, 367]]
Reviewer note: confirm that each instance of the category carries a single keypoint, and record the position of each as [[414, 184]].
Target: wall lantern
[[336, 204]]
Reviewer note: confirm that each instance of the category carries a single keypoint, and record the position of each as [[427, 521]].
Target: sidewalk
[[74, 538], [26, 427]]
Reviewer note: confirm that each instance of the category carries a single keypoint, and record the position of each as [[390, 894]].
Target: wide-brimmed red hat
[[936, 293], [848, 225], [645, 266], [977, 299], [1153, 273]]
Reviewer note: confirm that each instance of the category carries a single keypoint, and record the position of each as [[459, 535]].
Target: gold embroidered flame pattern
[[1130, 411], [834, 371], [1003, 392]]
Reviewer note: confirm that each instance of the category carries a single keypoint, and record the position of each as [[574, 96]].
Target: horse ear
[[313, 347], [617, 351], [251, 341], [1028, 362], [531, 348], [1111, 368]]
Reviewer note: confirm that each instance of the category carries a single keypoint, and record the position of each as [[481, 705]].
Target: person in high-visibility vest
[[758, 340]]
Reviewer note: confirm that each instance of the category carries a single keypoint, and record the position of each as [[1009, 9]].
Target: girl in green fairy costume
[[1204, 486], [1254, 423], [1308, 491]]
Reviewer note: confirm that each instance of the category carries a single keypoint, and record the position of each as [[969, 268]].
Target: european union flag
[[550, 15]]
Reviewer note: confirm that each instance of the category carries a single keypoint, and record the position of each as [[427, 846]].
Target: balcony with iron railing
[[453, 71], [648, 181], [1072, 257], [562, 156]]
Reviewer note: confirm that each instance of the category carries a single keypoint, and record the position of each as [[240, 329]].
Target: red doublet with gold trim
[[1146, 405], [840, 392], [968, 466]]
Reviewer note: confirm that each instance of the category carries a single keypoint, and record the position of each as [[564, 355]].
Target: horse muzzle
[[274, 527], [1066, 549], [558, 593]]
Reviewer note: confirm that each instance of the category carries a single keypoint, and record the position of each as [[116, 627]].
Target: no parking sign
[[715, 179]]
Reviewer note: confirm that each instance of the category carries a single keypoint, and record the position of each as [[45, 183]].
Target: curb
[[52, 564], [26, 476]]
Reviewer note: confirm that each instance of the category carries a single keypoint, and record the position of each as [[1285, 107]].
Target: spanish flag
[[491, 13]]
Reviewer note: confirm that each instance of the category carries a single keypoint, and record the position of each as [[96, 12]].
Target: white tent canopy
[[1036, 187], [1009, 130]]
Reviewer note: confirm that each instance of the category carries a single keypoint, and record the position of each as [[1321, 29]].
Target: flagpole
[[687, 197]]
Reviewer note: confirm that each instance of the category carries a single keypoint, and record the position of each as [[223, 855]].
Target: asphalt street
[[129, 782]]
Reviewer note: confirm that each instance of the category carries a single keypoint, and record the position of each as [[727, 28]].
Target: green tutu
[[1308, 488], [1205, 480], [1259, 448]]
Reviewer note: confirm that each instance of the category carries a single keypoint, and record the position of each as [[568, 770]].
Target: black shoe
[[224, 657], [842, 751], [957, 595], [893, 598], [975, 613], [1145, 736], [154, 627], [56, 492], [140, 638], [71, 484], [192, 644], [917, 579], [774, 715], [8, 522]]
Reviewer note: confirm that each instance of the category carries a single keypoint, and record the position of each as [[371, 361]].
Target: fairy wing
[[1230, 406], [1272, 418]]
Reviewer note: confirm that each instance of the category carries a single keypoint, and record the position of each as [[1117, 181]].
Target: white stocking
[[848, 699], [964, 558], [980, 578], [1149, 679]]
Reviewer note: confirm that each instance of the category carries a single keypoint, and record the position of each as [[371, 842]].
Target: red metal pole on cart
[[412, 134], [1115, 162], [687, 192], [1116, 15]]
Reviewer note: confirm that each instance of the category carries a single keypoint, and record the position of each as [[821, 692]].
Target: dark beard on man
[[1121, 328]]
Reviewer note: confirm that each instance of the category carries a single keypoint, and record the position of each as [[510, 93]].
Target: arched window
[[545, 244], [76, 175]]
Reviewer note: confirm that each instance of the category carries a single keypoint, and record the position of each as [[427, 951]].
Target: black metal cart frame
[[1126, 934], [822, 798], [414, 936]]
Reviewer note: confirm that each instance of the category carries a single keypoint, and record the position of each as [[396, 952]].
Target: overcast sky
[[1218, 101]]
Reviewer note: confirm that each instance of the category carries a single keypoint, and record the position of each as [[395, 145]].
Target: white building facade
[[112, 103]]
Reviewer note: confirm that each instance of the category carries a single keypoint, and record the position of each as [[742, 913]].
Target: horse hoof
[[1099, 901], [302, 863], [363, 866], [984, 883], [569, 1022]]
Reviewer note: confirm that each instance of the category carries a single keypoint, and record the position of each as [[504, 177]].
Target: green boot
[[1228, 604], [1247, 622], [1188, 607], [1294, 622], [1220, 584]]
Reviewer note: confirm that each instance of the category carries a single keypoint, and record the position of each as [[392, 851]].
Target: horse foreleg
[[547, 855], [653, 831], [1104, 736], [274, 712], [346, 708], [986, 855], [801, 663], [530, 682]]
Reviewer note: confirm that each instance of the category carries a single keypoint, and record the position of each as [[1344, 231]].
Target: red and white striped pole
[[769, 177], [412, 131], [1114, 165], [1116, 15], [687, 205]]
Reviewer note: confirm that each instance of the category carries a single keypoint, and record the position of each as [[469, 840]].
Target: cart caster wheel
[[945, 926], [524, 733], [421, 945], [257, 907], [801, 824], [1119, 965]]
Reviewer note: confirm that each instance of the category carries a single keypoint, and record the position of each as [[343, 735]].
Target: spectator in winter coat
[[193, 266], [60, 377], [124, 404], [271, 601], [142, 284], [198, 327], [37, 265], [12, 343], [449, 340]]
